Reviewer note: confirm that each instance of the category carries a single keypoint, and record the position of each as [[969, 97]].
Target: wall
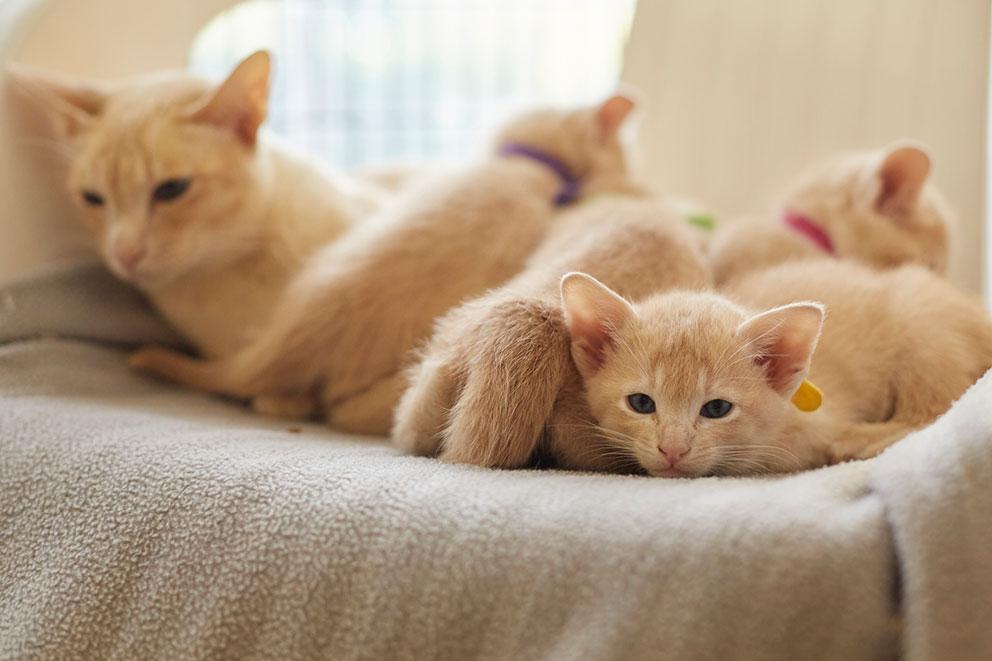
[[744, 92]]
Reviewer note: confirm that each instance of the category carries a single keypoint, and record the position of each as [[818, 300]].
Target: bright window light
[[364, 82]]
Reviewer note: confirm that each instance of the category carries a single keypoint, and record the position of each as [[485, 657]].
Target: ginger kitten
[[877, 208], [186, 201], [691, 384], [492, 385], [349, 321]]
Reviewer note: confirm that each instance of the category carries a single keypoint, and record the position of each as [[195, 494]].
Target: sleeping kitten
[[348, 323], [489, 385], [874, 207], [691, 384], [187, 202]]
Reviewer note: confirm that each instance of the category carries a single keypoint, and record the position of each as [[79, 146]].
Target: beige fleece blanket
[[141, 521]]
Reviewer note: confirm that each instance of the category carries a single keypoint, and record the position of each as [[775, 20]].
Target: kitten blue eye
[[170, 189], [716, 408], [92, 199], [640, 403]]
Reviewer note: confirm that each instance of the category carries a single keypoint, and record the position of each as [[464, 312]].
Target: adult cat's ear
[[593, 313], [71, 105], [241, 102], [613, 112], [902, 171], [782, 340]]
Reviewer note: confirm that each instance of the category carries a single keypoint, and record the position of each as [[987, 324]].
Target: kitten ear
[[593, 313], [71, 105], [613, 112], [783, 340], [241, 102], [902, 172]]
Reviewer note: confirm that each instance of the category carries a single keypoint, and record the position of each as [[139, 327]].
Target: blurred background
[[373, 81], [740, 94]]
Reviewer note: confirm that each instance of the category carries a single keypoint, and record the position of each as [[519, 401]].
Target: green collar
[[703, 221]]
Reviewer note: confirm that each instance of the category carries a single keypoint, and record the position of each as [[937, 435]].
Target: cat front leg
[[514, 373], [485, 392]]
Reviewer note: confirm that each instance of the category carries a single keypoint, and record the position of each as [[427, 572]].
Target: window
[[362, 82]]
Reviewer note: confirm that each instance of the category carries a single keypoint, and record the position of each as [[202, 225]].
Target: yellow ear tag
[[808, 397]]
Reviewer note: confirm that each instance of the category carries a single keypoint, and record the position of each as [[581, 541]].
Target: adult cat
[[187, 201]]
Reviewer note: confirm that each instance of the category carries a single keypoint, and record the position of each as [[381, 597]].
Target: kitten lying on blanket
[[874, 207], [494, 383], [365, 302], [689, 384], [185, 199]]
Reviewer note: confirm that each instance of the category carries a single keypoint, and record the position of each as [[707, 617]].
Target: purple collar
[[569, 191], [810, 229]]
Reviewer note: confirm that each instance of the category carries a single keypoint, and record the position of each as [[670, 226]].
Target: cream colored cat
[[187, 202], [690, 384], [492, 378], [876, 207], [346, 326]]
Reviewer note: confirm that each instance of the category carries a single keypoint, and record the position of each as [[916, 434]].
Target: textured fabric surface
[[937, 490], [141, 521], [86, 303]]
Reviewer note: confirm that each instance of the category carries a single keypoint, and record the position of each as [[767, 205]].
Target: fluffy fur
[[496, 381], [365, 302], [898, 347], [877, 207], [215, 258]]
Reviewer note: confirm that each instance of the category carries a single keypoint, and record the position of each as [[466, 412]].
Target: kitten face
[[587, 140], [877, 207], [163, 171], [687, 383]]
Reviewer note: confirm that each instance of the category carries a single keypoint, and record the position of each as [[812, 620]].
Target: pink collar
[[810, 229]]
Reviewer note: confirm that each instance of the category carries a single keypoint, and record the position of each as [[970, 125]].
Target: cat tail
[[284, 358], [280, 361], [207, 375]]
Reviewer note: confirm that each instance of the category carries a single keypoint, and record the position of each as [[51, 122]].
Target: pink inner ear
[[593, 338], [783, 341], [902, 175], [780, 370], [612, 113]]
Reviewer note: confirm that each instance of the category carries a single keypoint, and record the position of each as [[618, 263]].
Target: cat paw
[[294, 407], [369, 412]]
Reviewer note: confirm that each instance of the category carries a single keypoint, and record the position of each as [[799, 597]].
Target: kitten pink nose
[[129, 255], [673, 453]]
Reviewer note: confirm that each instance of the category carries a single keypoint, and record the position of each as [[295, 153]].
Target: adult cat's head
[[878, 207], [687, 383], [163, 167]]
